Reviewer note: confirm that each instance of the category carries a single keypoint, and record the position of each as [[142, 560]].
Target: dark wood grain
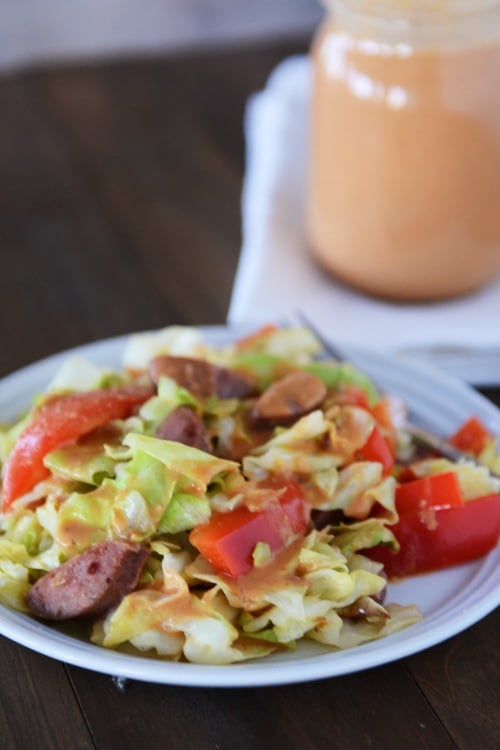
[[120, 210], [38, 707], [161, 146], [117, 183], [461, 679], [71, 276], [357, 711]]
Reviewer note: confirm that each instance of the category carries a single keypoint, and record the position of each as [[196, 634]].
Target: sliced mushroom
[[295, 395]]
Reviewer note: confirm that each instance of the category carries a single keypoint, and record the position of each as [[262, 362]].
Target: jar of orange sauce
[[404, 198]]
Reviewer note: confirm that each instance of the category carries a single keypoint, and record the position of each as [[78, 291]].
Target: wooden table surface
[[120, 210]]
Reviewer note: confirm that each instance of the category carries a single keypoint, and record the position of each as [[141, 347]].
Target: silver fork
[[420, 437]]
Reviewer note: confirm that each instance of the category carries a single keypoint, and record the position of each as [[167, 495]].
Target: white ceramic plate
[[450, 600]]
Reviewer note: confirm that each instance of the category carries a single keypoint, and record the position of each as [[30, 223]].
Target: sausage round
[[90, 583], [201, 378], [183, 425]]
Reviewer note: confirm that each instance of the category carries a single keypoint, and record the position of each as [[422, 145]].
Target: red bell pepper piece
[[471, 437], [437, 491], [229, 539], [383, 411], [377, 449], [246, 342], [61, 420], [350, 394], [441, 537]]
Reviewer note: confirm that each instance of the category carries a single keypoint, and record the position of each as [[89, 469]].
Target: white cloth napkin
[[277, 277]]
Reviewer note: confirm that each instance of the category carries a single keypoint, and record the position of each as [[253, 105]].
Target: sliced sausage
[[201, 378], [183, 425], [89, 583], [287, 399], [232, 384]]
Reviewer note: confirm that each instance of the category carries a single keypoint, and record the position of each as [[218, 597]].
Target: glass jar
[[404, 198]]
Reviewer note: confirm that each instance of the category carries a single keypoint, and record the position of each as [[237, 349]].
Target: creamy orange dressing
[[404, 196], [77, 533], [251, 588]]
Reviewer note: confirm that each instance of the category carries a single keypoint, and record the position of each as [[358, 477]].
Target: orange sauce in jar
[[404, 194]]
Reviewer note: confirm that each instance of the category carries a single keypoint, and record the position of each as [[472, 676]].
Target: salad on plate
[[218, 504]]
